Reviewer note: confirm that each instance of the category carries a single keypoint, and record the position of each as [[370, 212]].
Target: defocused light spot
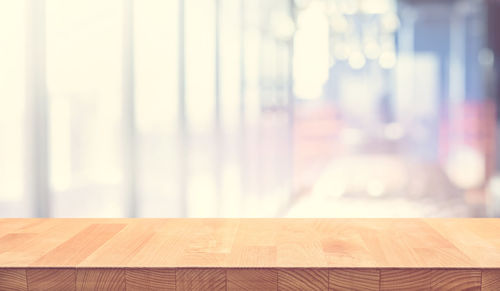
[[357, 60], [387, 60], [338, 23], [390, 22], [466, 167]]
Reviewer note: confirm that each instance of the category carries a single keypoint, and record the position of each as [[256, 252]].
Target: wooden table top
[[250, 254], [246, 243]]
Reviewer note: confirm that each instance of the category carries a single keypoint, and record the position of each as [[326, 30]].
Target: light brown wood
[[405, 279], [303, 279], [79, 247], [250, 254], [456, 280], [150, 279], [100, 279], [13, 279], [51, 279], [250, 243], [252, 279], [354, 279], [490, 280], [201, 279]]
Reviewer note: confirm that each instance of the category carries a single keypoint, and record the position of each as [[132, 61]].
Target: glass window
[[84, 80], [156, 34], [12, 108], [200, 107]]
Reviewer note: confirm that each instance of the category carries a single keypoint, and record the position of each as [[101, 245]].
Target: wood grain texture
[[252, 279], [250, 243], [303, 279], [201, 279], [51, 279], [354, 279], [249, 254], [405, 279], [150, 279], [127, 242], [490, 280], [477, 239], [100, 279], [80, 246], [13, 279], [449, 280]]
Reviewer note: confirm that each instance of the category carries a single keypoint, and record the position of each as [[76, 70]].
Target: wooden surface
[[249, 254]]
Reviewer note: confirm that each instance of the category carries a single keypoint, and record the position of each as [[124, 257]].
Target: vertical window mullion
[[37, 109], [130, 153]]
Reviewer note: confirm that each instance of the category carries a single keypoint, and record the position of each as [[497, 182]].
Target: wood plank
[[490, 280], [150, 279], [292, 247], [252, 279], [12, 240], [100, 279], [444, 280], [51, 279], [167, 243], [127, 242], [303, 279], [80, 246], [13, 279], [354, 279], [254, 245], [201, 279], [405, 279], [49, 234], [476, 238], [210, 244], [14, 224]]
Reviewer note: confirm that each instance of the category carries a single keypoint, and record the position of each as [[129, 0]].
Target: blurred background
[[249, 108]]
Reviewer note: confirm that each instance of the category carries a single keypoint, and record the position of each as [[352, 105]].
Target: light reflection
[[12, 102], [200, 65], [310, 71], [466, 167], [357, 60]]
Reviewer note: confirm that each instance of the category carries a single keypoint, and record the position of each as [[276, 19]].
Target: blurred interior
[[249, 108]]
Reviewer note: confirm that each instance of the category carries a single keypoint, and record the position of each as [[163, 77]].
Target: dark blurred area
[[249, 108]]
